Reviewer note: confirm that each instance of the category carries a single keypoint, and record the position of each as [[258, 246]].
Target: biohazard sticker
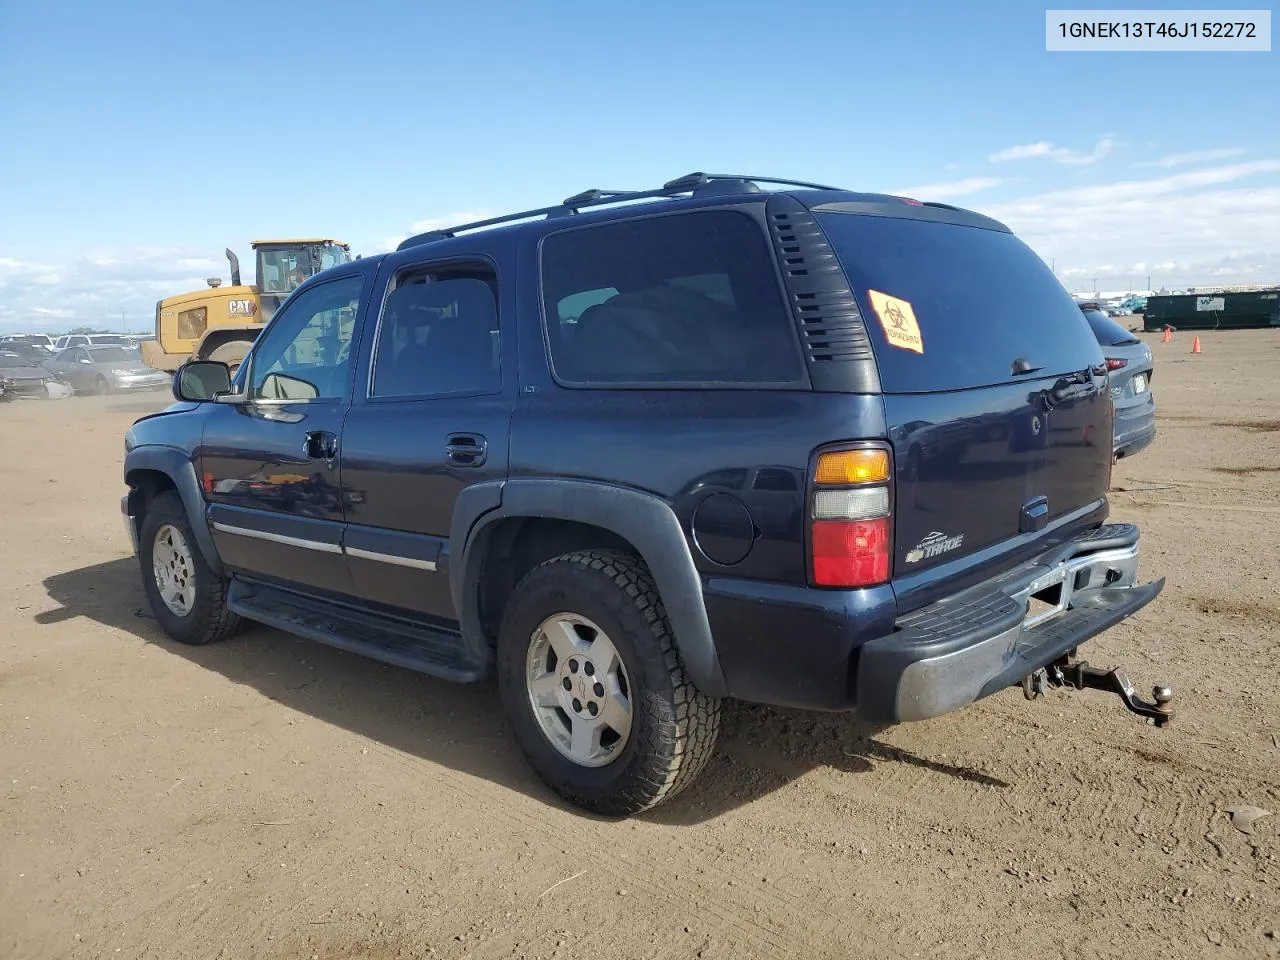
[[898, 320]]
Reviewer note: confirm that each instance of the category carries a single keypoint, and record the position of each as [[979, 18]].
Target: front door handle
[[321, 445], [467, 449]]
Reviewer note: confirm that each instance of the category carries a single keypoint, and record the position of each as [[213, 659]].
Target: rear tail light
[[852, 466], [850, 534], [1115, 364]]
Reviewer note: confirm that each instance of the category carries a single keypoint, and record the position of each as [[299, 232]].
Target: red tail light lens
[[1115, 364], [850, 553]]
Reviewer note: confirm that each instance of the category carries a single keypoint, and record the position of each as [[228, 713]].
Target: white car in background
[[92, 340]]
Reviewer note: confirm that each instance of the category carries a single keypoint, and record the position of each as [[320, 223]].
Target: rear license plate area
[[1139, 383], [1047, 598]]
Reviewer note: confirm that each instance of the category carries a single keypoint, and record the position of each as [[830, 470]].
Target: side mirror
[[198, 381]]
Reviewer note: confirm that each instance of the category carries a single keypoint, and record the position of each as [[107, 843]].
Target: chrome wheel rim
[[579, 690], [173, 570]]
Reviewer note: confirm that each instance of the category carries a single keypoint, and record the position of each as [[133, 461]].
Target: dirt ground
[[272, 797]]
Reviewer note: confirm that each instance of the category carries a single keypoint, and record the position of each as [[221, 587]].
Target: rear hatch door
[[994, 388], [1128, 358]]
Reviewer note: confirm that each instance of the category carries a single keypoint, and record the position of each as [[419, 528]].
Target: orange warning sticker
[[898, 320]]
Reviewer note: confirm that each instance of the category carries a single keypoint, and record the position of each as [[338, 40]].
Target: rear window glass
[[685, 300], [1108, 332], [957, 305]]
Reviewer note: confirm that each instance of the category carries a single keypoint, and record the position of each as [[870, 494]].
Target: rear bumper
[[970, 645], [1135, 428]]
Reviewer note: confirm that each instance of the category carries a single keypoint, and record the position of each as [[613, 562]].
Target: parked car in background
[[1134, 305], [40, 341], [1129, 368], [20, 377], [37, 355], [93, 340], [106, 370]]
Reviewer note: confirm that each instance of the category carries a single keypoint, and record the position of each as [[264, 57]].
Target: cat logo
[[1035, 425], [241, 308]]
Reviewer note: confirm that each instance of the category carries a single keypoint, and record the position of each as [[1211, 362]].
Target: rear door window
[[690, 299], [952, 307]]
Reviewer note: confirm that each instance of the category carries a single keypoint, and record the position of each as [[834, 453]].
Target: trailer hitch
[[1079, 675]]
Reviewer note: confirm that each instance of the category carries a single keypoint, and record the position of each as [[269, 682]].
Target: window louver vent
[[831, 326], [829, 319]]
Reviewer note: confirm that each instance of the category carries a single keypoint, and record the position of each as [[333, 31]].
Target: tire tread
[[676, 747]]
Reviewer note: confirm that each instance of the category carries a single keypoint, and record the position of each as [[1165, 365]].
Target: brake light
[[1114, 363], [850, 537]]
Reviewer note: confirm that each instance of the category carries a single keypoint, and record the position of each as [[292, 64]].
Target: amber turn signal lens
[[852, 466]]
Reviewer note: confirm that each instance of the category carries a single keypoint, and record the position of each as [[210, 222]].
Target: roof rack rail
[[692, 180], [597, 196], [693, 183]]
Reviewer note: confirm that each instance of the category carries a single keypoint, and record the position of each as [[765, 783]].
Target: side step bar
[[392, 640]]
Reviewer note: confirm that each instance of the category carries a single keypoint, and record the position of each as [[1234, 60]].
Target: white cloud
[[92, 288], [1195, 227], [199, 263], [1194, 156], [955, 188], [429, 224], [1045, 149]]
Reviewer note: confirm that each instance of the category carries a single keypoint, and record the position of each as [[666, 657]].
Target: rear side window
[[950, 307], [685, 300], [1107, 331], [438, 336]]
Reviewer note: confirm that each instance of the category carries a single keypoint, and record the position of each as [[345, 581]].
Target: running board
[[392, 640]]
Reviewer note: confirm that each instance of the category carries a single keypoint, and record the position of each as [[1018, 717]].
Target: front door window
[[306, 352]]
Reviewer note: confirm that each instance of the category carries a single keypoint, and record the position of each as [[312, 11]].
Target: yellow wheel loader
[[221, 323]]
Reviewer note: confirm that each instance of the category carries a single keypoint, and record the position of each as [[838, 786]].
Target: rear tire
[[188, 599], [592, 601]]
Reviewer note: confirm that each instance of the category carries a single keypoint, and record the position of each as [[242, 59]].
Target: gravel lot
[[271, 797]]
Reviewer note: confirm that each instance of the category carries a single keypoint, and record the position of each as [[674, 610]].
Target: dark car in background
[[40, 341], [1129, 368], [21, 377]]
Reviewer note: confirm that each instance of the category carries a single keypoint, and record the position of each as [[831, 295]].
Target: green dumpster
[[1213, 311]]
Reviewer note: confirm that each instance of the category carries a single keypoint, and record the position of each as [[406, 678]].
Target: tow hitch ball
[[1081, 676]]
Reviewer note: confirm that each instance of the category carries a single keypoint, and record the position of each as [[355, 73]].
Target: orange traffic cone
[[1195, 345], [1167, 336]]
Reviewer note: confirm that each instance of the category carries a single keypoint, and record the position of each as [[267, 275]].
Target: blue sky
[[141, 138]]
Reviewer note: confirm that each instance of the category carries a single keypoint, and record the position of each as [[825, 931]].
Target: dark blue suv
[[639, 452]]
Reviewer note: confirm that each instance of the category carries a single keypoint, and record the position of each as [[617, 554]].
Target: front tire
[[101, 386], [187, 598], [593, 685]]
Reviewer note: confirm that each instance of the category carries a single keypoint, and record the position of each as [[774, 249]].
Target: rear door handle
[[321, 445], [467, 449]]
